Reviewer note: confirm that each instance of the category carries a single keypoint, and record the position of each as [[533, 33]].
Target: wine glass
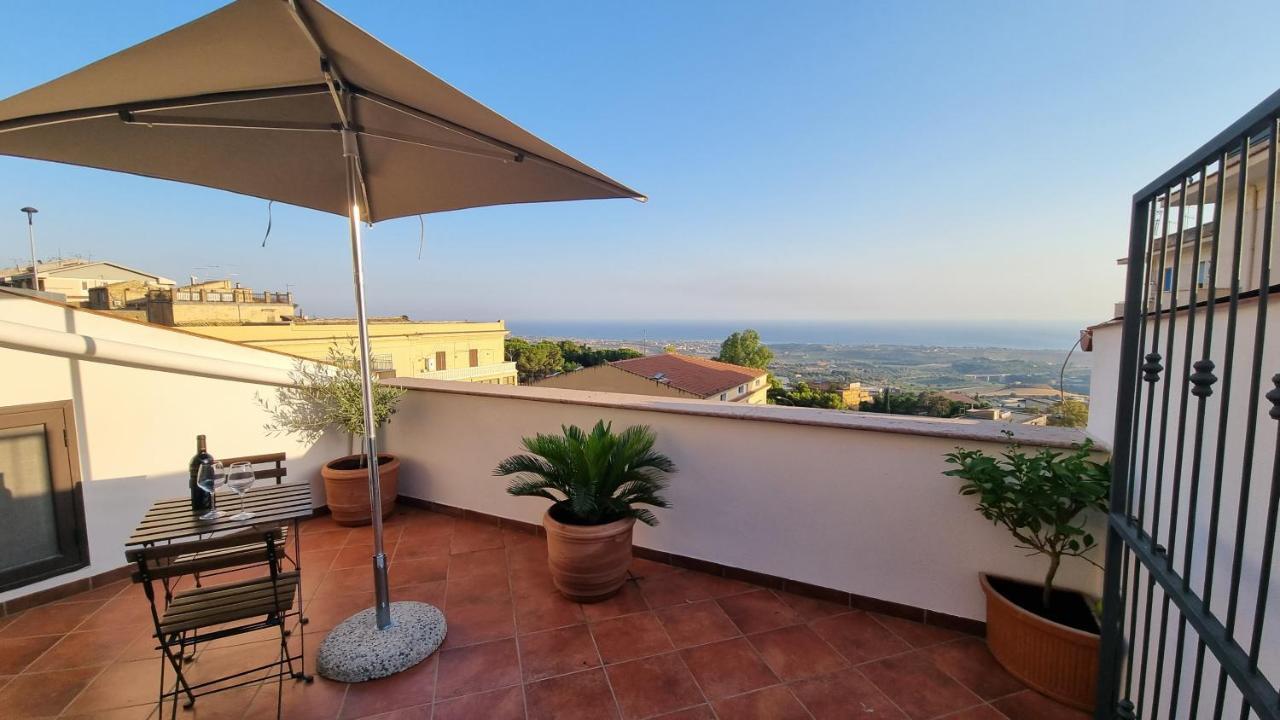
[[210, 477], [240, 478]]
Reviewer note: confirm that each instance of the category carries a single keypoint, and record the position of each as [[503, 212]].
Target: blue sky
[[832, 161]]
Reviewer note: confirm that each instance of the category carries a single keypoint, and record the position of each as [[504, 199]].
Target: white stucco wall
[[136, 427], [842, 500]]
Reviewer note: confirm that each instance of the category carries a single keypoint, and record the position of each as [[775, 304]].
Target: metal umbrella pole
[[382, 607]]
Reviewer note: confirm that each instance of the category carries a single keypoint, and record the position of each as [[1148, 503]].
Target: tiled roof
[[699, 376]]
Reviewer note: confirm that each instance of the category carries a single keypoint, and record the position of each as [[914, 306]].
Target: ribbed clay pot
[[1055, 659], [346, 488], [588, 562]]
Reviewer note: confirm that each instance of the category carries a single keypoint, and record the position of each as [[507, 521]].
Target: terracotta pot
[[346, 488], [588, 562], [1059, 661]]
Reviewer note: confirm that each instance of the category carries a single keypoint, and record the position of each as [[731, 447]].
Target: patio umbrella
[[286, 100]]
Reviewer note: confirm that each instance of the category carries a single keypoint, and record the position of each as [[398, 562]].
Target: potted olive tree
[[323, 397], [594, 481], [1045, 636]]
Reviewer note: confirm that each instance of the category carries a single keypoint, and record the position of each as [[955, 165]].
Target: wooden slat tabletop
[[173, 519]]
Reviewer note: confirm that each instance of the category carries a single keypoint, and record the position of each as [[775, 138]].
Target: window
[[440, 361], [742, 388], [723, 396], [1202, 274], [40, 504], [473, 356], [1168, 279]]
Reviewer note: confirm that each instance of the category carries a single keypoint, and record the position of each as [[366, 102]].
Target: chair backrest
[[267, 465], [156, 562]]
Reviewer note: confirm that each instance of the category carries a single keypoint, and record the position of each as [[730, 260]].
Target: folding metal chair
[[200, 615]]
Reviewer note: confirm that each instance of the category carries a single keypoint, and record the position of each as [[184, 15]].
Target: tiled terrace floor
[[673, 644]]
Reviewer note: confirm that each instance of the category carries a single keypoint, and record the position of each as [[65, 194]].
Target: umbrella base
[[356, 650]]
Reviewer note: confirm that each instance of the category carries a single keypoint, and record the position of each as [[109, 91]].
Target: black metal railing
[[1196, 454]]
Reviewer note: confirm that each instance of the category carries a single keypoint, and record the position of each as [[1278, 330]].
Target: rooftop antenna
[[31, 238]]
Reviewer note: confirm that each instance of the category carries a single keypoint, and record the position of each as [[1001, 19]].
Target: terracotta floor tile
[[652, 686], [414, 548], [45, 694], [18, 653], [796, 652], [431, 593], [325, 610], [729, 667], [775, 703], [630, 636], [757, 611], [347, 580], [628, 600], [969, 661], [325, 540], [84, 649], [364, 535], [811, 608], [532, 580], [477, 668], [227, 705], [580, 696], [422, 570], [557, 652], [544, 611], [673, 589], [717, 586], [477, 587], [505, 704], [528, 554], [845, 694], [858, 637], [415, 686], [119, 685], [468, 537], [1031, 705], [315, 563], [357, 555], [418, 712], [104, 593], [977, 712], [698, 712], [696, 623], [137, 712], [51, 619], [644, 568], [917, 686], [320, 700], [479, 562], [479, 621], [916, 634]]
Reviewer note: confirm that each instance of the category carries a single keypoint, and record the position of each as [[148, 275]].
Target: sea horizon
[[1049, 335]]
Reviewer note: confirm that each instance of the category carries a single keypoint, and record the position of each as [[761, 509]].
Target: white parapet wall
[[140, 394], [850, 501]]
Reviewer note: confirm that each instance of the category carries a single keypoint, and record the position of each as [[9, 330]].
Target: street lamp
[[31, 238]]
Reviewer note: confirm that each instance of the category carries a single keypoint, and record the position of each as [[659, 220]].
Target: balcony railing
[[470, 373]]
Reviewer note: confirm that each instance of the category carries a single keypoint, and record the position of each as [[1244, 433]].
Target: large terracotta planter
[[588, 562], [346, 488], [1055, 659]]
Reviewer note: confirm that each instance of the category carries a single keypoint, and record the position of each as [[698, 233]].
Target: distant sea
[[1018, 335]]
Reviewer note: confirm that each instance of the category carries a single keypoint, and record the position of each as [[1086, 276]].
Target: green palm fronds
[[599, 476]]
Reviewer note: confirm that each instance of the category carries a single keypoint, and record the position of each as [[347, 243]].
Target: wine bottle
[[201, 501]]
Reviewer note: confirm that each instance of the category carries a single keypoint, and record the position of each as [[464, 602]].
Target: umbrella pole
[[383, 601]]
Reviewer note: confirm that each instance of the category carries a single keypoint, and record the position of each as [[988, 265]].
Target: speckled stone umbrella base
[[357, 650]]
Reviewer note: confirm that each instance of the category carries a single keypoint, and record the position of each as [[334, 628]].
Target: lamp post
[[31, 239]]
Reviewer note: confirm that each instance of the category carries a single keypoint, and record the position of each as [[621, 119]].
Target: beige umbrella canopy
[[252, 97], [285, 100]]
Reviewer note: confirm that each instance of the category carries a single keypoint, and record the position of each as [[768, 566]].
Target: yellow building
[[468, 351], [854, 395], [216, 302]]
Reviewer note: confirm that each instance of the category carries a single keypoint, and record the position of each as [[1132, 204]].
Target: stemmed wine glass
[[211, 477], [241, 478]]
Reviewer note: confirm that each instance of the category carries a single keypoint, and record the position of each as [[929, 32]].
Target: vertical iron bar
[[1161, 453], [1180, 434], [1251, 423], [1127, 387], [1269, 536], [1219, 453], [1202, 380]]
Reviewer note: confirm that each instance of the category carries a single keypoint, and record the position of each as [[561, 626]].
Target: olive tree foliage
[[328, 396], [1041, 498], [744, 348]]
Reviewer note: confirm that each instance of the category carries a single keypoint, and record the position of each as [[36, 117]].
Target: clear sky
[[844, 160]]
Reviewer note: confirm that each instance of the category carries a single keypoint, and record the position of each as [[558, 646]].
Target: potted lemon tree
[[595, 481], [1044, 635], [328, 396]]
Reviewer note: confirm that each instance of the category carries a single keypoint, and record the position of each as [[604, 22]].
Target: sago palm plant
[[593, 478]]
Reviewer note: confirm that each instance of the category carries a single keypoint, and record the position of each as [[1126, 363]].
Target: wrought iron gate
[[1196, 454]]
